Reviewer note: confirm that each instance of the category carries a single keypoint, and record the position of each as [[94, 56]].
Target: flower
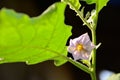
[[81, 47]]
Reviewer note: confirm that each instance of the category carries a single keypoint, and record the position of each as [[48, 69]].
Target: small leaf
[[34, 40], [82, 11], [87, 15], [87, 62]]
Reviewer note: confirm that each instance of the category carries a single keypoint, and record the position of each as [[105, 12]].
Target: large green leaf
[[34, 40]]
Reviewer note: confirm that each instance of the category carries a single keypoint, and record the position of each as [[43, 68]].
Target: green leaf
[[34, 40], [74, 4], [87, 62], [100, 3], [89, 1]]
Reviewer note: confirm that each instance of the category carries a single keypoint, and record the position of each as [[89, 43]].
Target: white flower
[[81, 47]]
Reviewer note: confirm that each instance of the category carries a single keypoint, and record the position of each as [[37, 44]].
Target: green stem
[[82, 18], [93, 31], [93, 70], [79, 14], [93, 76], [79, 65]]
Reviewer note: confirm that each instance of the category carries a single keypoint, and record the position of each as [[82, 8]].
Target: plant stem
[[79, 65], [93, 76], [93, 70], [93, 31], [82, 18], [79, 14]]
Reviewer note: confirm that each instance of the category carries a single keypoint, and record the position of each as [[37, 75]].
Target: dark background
[[108, 55]]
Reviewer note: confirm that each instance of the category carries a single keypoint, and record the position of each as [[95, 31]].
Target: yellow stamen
[[79, 47]]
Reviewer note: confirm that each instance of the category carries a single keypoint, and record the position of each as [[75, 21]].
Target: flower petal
[[71, 49], [72, 43], [80, 55], [85, 56], [85, 39], [89, 47], [76, 55]]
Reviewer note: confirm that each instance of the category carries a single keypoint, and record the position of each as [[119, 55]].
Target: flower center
[[79, 47]]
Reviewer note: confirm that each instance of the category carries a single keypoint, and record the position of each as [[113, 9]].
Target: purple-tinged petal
[[85, 39], [76, 55], [74, 41], [71, 43], [71, 49], [80, 55], [89, 47], [84, 55]]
